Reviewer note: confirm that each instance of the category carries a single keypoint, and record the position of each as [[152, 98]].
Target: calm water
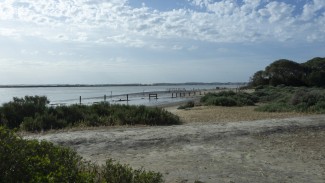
[[115, 94]]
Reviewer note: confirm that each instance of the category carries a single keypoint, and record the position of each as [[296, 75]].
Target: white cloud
[[9, 32], [127, 41], [115, 21], [311, 8], [276, 11]]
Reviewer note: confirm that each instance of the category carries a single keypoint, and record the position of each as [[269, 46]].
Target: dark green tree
[[259, 78], [14, 112], [285, 72], [315, 69]]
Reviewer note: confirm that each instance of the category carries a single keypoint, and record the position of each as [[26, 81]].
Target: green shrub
[[276, 99], [197, 181], [32, 161], [224, 101], [308, 98], [206, 97], [275, 107], [32, 114], [229, 98], [13, 113], [319, 107], [246, 99], [115, 172], [226, 94], [189, 104], [298, 99], [31, 124]]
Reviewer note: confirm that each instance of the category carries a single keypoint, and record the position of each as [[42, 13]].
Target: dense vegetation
[[290, 73], [273, 99], [286, 99], [188, 105], [33, 114], [32, 161], [229, 98]]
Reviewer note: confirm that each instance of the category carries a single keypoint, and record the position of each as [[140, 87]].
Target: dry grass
[[227, 114]]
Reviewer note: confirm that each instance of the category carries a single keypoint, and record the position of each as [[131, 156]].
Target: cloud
[[116, 21], [310, 9], [177, 47], [9, 32], [32, 53]]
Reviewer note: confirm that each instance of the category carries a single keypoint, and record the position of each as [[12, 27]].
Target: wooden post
[[104, 98], [80, 100], [153, 95], [127, 97]]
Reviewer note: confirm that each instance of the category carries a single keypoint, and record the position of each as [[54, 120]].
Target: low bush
[[222, 101], [273, 99], [294, 99], [229, 98], [33, 114], [275, 107], [115, 172], [13, 113], [188, 105], [32, 161]]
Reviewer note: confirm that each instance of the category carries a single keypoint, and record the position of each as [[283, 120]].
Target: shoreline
[[118, 85]]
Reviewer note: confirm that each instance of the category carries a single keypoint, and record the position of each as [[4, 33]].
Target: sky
[[153, 41]]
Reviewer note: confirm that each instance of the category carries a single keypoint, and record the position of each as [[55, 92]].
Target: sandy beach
[[214, 144]]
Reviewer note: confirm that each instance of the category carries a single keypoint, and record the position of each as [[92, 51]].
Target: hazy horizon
[[146, 41], [123, 84]]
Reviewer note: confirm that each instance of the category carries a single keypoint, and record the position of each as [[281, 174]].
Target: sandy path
[[273, 150]]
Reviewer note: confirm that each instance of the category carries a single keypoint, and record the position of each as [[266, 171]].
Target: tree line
[[290, 73]]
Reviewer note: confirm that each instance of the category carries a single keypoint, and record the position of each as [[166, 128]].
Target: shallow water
[[138, 95]]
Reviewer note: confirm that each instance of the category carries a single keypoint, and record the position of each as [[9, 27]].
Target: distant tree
[[259, 78], [316, 79], [285, 72], [315, 64], [290, 73], [315, 69], [13, 113]]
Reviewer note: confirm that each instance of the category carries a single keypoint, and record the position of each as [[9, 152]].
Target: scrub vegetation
[[284, 86], [33, 161], [273, 99], [287, 99], [32, 113], [229, 98]]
